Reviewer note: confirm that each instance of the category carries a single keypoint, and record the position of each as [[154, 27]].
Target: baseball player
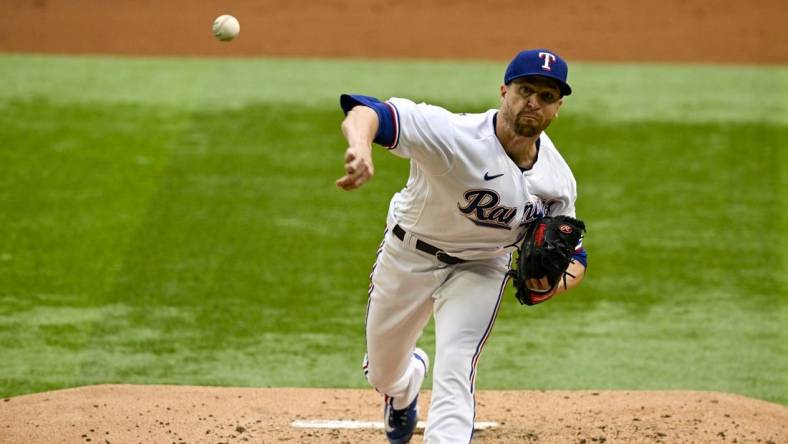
[[476, 180]]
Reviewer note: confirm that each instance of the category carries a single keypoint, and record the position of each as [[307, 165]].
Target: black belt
[[427, 248]]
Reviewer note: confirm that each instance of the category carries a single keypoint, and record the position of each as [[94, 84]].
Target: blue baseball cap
[[539, 62]]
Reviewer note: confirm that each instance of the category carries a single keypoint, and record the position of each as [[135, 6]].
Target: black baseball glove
[[544, 255]]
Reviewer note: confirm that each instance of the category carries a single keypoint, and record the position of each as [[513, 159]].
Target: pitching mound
[[175, 414]]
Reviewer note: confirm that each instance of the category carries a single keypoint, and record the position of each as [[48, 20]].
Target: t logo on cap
[[539, 62], [548, 59]]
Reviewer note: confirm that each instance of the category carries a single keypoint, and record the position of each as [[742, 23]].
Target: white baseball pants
[[407, 286]]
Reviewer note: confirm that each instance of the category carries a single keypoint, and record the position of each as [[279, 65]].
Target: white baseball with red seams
[[226, 28]]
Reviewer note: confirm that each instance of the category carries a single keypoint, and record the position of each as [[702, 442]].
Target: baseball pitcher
[[482, 187]]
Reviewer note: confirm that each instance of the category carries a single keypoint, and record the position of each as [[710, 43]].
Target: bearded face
[[529, 105], [528, 124]]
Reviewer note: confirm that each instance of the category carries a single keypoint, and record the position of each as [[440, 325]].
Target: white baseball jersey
[[464, 194]]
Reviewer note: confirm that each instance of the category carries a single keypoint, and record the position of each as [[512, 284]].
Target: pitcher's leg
[[465, 310], [400, 305], [392, 332]]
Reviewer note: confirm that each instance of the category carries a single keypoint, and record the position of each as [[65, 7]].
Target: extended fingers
[[351, 182], [355, 179], [356, 166], [358, 171]]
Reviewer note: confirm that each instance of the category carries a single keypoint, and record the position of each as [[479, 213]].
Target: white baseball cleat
[[421, 355]]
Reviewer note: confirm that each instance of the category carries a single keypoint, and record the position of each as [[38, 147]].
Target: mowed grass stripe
[[75, 183], [76, 179], [602, 92]]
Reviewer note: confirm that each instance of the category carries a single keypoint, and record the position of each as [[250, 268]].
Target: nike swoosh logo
[[488, 177]]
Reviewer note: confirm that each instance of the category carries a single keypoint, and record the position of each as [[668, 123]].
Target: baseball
[[226, 27]]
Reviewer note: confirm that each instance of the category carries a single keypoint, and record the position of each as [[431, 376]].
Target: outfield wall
[[719, 31]]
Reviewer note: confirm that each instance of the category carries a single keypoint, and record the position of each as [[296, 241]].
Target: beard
[[524, 127]]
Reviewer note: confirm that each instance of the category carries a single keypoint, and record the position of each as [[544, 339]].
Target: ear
[[503, 91]]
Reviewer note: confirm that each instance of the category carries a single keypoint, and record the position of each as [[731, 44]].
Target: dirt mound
[[725, 31], [182, 414]]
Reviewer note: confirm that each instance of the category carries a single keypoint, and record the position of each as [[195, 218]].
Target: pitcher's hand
[[358, 168]]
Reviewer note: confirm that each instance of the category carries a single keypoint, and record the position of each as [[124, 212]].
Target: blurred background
[[168, 212]]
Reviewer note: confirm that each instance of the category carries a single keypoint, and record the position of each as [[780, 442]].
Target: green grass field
[[175, 221]]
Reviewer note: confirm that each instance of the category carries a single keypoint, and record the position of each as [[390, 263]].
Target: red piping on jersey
[[395, 117]]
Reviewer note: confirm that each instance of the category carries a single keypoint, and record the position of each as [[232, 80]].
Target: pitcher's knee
[[382, 381], [375, 378]]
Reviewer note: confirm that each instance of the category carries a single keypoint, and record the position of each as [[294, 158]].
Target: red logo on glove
[[566, 229], [539, 235]]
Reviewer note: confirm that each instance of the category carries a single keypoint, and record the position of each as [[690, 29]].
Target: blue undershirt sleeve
[[581, 256], [387, 128]]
